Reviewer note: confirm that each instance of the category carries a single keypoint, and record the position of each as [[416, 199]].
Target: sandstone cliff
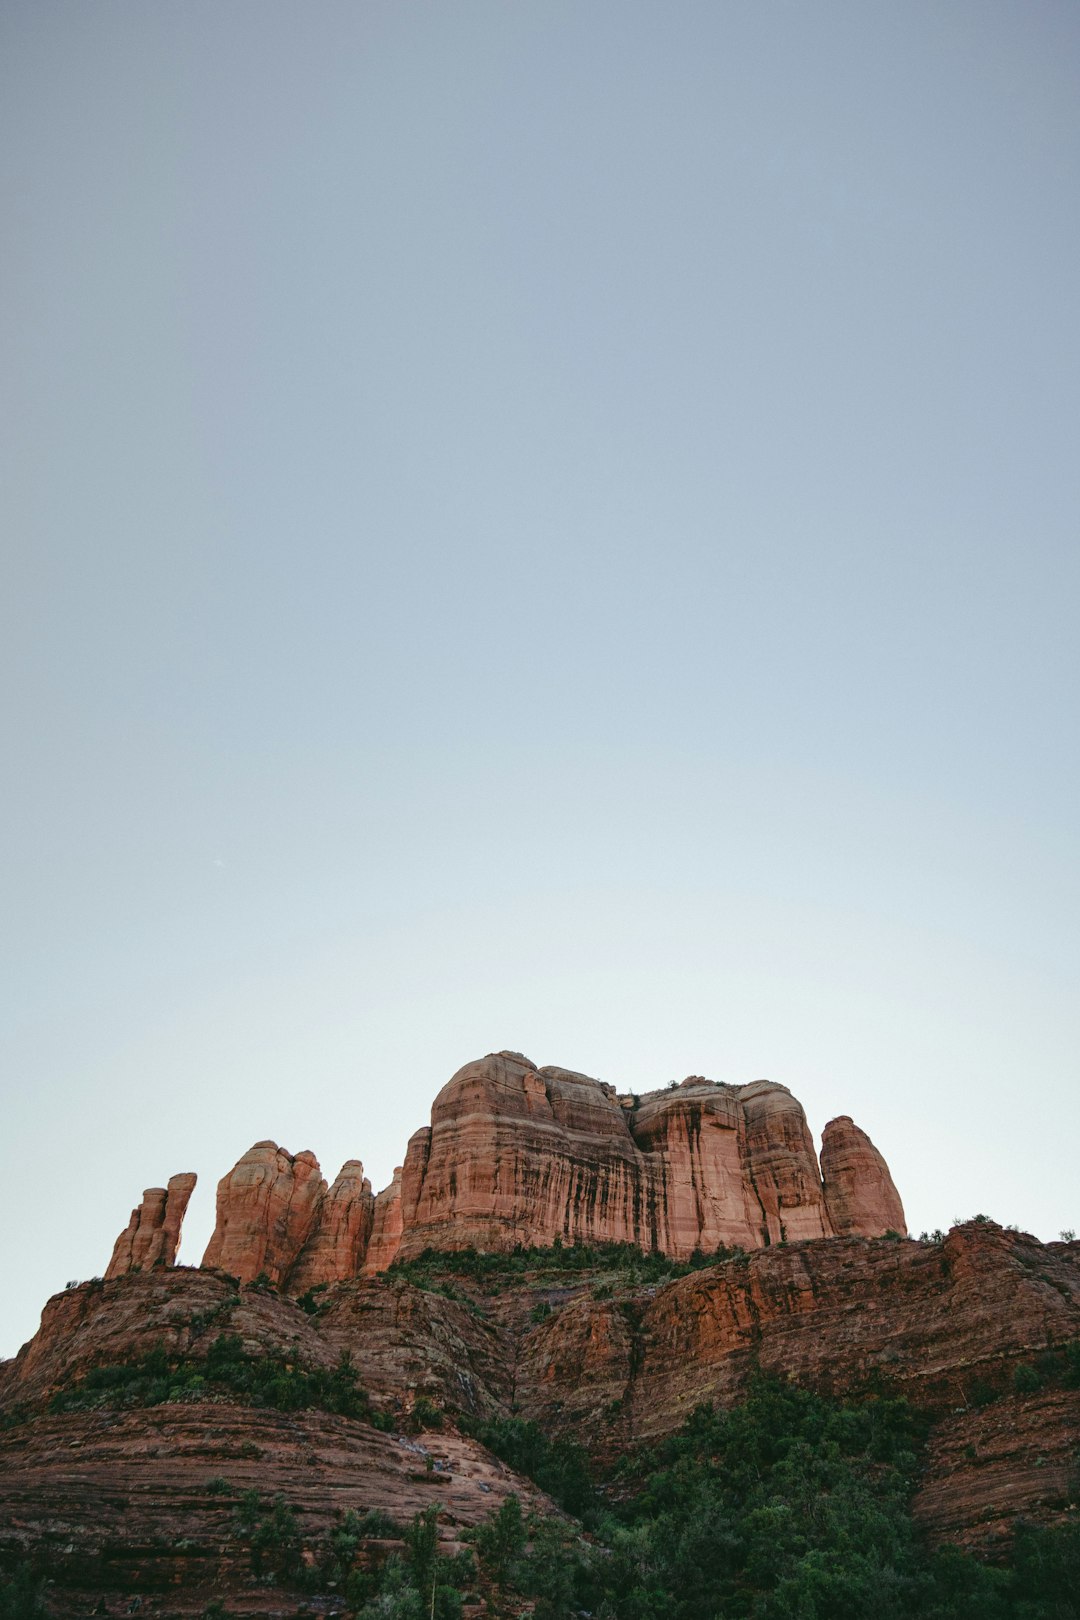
[[340, 1233], [277, 1217], [516, 1154], [520, 1155], [266, 1208], [600, 1357], [859, 1194], [152, 1236]]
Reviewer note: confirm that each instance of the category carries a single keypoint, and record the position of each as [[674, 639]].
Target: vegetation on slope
[[788, 1507], [633, 1265], [266, 1379]]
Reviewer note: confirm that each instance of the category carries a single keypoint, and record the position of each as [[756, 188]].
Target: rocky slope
[[811, 1282], [597, 1354]]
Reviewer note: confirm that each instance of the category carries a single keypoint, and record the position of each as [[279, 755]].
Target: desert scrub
[[228, 1369]]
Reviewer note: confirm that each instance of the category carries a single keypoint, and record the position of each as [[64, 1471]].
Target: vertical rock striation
[[340, 1233], [266, 1208], [859, 1192], [152, 1236], [385, 1228], [516, 1154], [520, 1155]]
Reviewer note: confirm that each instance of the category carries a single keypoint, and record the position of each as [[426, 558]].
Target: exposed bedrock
[[516, 1154], [945, 1324], [152, 1235], [340, 1233], [266, 1209], [520, 1155], [859, 1194]]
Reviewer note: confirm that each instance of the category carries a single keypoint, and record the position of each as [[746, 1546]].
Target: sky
[[546, 526]]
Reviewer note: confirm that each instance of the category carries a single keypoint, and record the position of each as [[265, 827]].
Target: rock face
[[516, 1154], [340, 1233], [386, 1228], [152, 1236], [120, 1497], [859, 1194], [520, 1155], [266, 1208], [945, 1324], [276, 1215]]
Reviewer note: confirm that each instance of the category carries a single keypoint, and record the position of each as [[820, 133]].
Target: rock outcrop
[[340, 1233], [386, 1227], [266, 1209], [520, 1155], [516, 1154], [859, 1194], [277, 1217], [944, 1324], [152, 1236]]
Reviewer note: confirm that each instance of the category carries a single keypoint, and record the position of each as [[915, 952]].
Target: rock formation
[[266, 1208], [152, 1236], [945, 1324], [859, 1193], [520, 1155], [516, 1154], [340, 1233], [386, 1227]]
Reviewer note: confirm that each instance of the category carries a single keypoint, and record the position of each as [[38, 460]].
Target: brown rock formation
[[520, 1155], [859, 1192], [386, 1227], [516, 1154], [125, 1500], [266, 1209], [944, 1324], [695, 1137], [152, 1236], [340, 1232]]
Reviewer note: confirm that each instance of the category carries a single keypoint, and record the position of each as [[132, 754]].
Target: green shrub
[[272, 1534], [261, 1380], [1025, 1380], [22, 1594], [309, 1301], [981, 1393], [560, 1467], [1072, 1364], [558, 1260], [424, 1415]]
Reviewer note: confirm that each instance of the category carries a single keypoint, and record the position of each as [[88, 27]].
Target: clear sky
[[546, 525]]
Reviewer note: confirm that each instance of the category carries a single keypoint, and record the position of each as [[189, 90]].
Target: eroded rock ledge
[[520, 1155]]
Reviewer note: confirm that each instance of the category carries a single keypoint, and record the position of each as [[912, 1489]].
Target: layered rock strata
[[266, 1209], [152, 1235], [860, 1198], [277, 1218], [520, 1155], [340, 1233], [945, 1324], [516, 1154]]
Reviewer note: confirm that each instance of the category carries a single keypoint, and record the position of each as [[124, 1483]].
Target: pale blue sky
[[536, 525]]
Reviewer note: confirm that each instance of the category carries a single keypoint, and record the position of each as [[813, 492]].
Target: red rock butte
[[520, 1155]]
